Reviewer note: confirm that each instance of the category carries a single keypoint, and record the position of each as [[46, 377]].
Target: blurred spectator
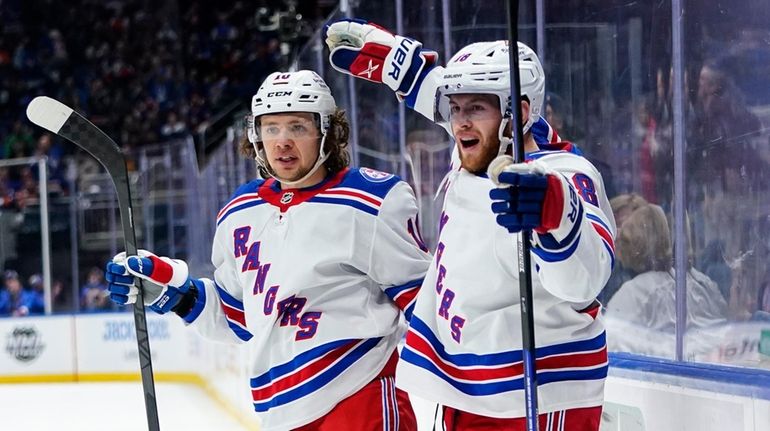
[[54, 153], [93, 294], [36, 294], [723, 125], [622, 207], [173, 127], [8, 187], [746, 293], [29, 191], [643, 246], [15, 300], [18, 143], [60, 300]]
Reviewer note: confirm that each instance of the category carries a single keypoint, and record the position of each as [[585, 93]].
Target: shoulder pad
[[370, 180], [250, 187]]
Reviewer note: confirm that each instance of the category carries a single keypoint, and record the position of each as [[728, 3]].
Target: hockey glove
[[167, 280], [530, 197], [365, 50]]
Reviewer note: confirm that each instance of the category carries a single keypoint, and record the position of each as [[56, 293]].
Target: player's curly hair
[[336, 145]]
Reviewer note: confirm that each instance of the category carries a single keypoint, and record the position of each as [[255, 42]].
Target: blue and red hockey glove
[[365, 50], [167, 282], [531, 197]]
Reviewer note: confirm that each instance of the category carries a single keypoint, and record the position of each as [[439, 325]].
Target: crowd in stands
[[144, 72]]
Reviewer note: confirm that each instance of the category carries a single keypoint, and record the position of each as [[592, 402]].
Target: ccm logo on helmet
[[399, 58], [279, 93]]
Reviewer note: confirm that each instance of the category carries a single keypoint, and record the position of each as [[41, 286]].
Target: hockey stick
[[524, 258], [56, 117]]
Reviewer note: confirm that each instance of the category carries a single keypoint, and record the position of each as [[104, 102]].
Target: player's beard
[[300, 172], [478, 163]]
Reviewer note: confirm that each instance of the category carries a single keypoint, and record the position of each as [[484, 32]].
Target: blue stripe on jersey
[[322, 379], [300, 360], [229, 299], [481, 389], [609, 251], [347, 202], [463, 359], [538, 154], [240, 332], [547, 376], [200, 302], [599, 220], [409, 311], [393, 291], [503, 358], [560, 256], [548, 242], [239, 208], [573, 346]]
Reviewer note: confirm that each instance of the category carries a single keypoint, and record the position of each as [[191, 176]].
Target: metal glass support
[[680, 199]]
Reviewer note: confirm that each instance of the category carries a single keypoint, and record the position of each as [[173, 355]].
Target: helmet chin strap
[[322, 156], [505, 141]]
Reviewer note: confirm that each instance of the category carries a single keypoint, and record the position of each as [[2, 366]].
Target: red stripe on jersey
[[303, 374], [354, 194], [161, 270], [233, 314], [237, 200], [580, 359], [570, 360], [417, 343], [593, 311], [604, 234], [406, 297]]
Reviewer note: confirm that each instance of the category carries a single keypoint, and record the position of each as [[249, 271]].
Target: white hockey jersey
[[463, 347], [315, 280]]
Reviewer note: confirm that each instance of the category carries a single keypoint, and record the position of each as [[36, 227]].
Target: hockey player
[[317, 268], [463, 347]]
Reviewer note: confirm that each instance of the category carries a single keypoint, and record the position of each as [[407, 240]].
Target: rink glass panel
[[727, 102], [610, 85], [609, 90]]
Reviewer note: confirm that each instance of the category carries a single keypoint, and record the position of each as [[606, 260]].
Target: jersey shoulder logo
[[375, 176]]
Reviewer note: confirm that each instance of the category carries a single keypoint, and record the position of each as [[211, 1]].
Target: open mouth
[[468, 143], [286, 159]]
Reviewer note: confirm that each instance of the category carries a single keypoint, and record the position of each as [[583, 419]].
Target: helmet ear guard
[[251, 132]]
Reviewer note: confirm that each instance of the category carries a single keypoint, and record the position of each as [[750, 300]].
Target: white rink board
[[667, 407], [37, 345], [106, 343], [84, 346]]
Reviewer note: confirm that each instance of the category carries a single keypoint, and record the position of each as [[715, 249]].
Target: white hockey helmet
[[282, 92], [484, 67]]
